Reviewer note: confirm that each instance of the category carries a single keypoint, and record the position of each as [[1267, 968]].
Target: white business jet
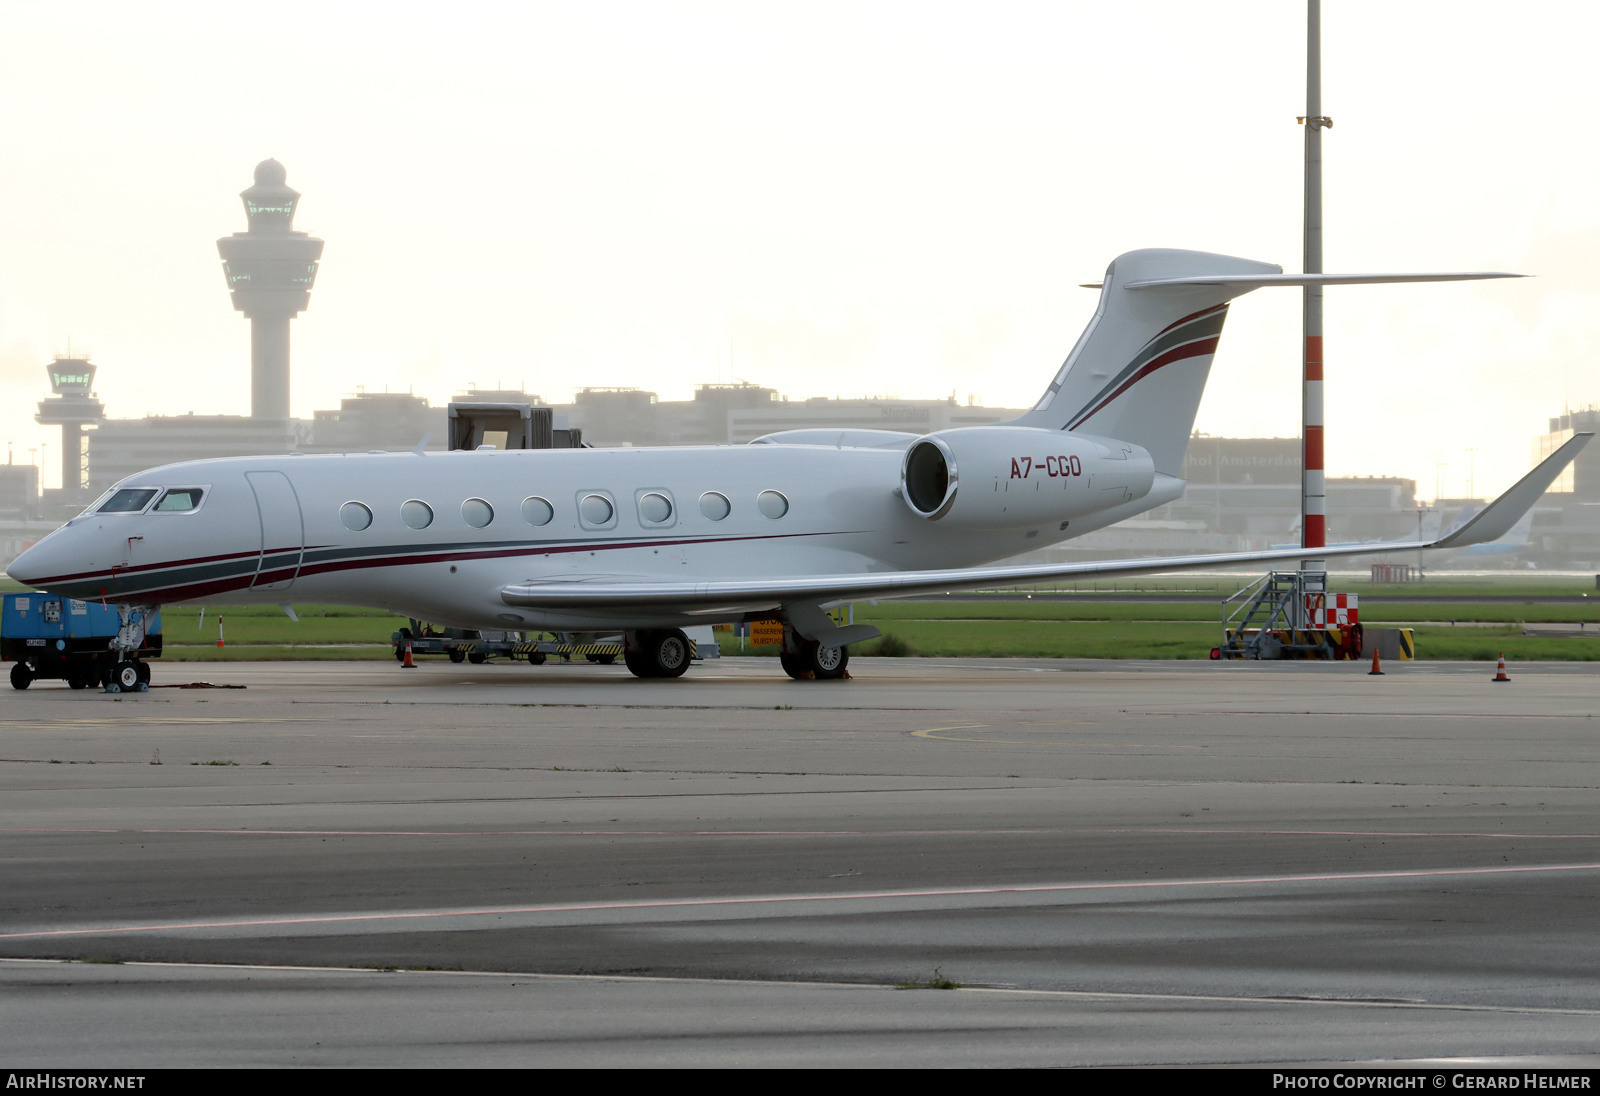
[[650, 541]]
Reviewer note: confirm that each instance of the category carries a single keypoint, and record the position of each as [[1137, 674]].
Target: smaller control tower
[[270, 269], [72, 408]]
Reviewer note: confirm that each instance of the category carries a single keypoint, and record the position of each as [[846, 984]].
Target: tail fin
[[1140, 367]]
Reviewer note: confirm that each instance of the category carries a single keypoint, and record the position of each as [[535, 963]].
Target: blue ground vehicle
[[48, 636]]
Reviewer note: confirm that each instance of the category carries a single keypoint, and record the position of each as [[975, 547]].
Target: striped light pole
[[1313, 484]]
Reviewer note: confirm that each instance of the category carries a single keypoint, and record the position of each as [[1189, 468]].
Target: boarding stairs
[[1271, 618]]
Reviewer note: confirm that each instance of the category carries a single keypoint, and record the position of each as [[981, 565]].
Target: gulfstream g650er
[[649, 541]]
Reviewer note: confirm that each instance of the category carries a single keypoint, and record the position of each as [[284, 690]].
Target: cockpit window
[[180, 499], [127, 500]]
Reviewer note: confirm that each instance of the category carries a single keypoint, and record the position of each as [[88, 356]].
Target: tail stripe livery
[[1191, 337]]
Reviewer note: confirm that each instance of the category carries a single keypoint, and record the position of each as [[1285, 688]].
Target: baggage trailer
[[45, 636], [478, 647]]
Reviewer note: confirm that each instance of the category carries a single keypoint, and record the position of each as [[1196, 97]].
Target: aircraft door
[[282, 530]]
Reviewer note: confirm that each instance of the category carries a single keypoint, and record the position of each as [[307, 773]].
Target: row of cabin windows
[[596, 510]]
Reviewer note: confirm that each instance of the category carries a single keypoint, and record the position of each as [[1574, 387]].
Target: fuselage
[[437, 536]]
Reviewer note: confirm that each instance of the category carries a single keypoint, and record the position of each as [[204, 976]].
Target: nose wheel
[[131, 676]]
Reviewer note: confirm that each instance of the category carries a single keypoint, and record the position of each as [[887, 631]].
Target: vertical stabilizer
[[1140, 367]]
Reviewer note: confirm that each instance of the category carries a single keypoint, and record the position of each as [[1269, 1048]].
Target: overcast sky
[[862, 198]]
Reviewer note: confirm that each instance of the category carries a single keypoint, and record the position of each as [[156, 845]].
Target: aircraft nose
[[26, 568], [35, 565]]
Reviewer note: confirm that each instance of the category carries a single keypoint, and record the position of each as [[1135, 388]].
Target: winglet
[[1495, 520]]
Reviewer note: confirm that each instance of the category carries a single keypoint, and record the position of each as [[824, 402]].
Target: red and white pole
[[1313, 486]]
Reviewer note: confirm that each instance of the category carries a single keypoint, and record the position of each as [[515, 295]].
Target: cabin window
[[772, 503], [654, 508], [416, 514], [596, 511], [715, 505], [477, 513], [127, 500], [355, 516], [180, 500], [537, 511]]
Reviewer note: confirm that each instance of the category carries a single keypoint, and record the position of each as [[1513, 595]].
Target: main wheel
[[637, 661], [812, 661], [662, 653], [144, 671], [125, 675], [828, 663], [21, 676], [671, 653]]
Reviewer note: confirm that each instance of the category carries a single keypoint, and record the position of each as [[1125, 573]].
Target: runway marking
[[162, 721], [543, 833], [1367, 833], [937, 734], [792, 899], [157, 831], [855, 987]]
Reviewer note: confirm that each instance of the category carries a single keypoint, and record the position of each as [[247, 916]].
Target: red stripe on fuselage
[[245, 582]]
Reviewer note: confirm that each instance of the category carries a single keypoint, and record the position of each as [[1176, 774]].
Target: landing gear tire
[[812, 661], [125, 676], [144, 672], [638, 665], [663, 653], [21, 676]]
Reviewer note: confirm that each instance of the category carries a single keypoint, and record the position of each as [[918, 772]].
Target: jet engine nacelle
[[1010, 475]]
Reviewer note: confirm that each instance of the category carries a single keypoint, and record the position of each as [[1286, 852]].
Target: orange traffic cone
[[1500, 670], [1376, 668], [406, 663]]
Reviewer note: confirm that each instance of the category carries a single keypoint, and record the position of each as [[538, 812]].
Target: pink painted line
[[766, 900]]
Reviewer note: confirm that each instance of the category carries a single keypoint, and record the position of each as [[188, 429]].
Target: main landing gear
[[662, 652], [808, 660]]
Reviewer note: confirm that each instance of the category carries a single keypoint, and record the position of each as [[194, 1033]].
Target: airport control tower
[[72, 408], [270, 269]]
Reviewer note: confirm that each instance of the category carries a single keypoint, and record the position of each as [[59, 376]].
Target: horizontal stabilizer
[[1257, 281]]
